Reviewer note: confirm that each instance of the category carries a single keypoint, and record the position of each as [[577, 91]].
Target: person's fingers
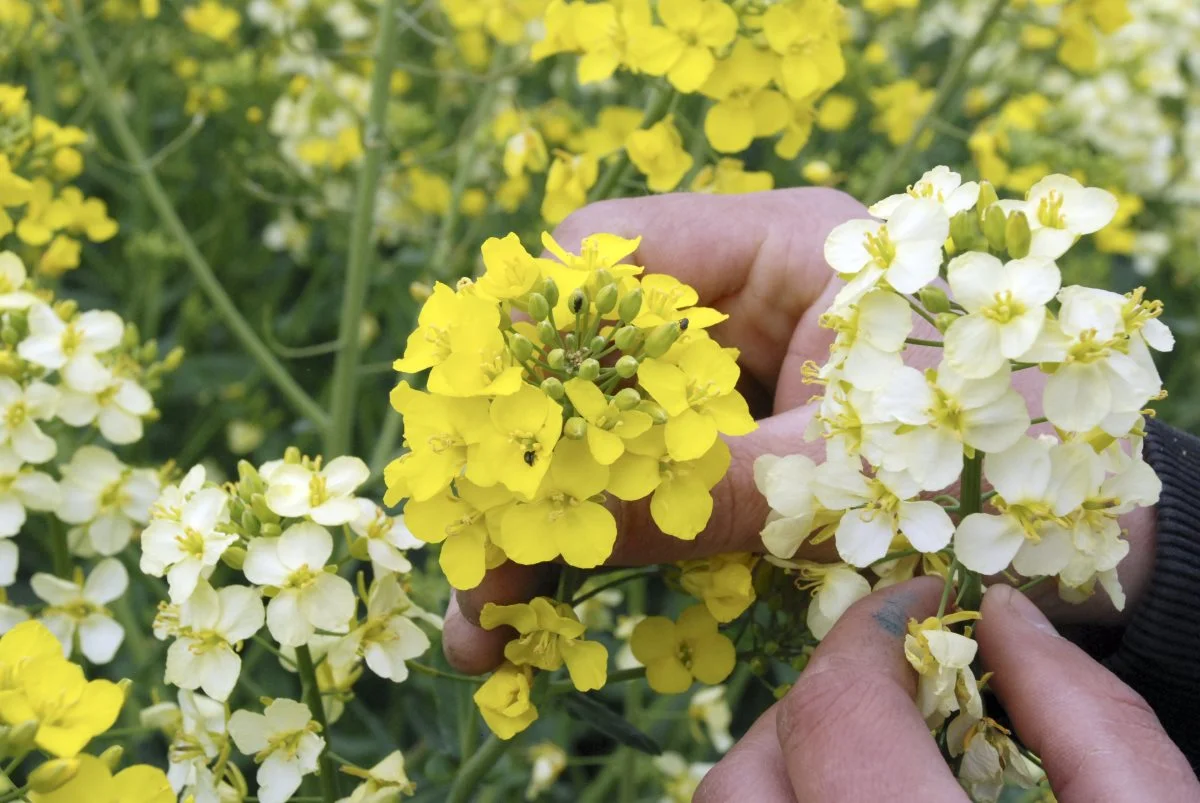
[[467, 646], [752, 770], [849, 728], [1097, 738], [758, 257]]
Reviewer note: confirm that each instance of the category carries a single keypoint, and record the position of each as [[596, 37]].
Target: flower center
[[1050, 211], [191, 542], [881, 248], [1003, 308]]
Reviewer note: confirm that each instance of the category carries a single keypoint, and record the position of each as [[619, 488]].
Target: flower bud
[[987, 196], [662, 338], [520, 347], [250, 523], [575, 428], [589, 369], [654, 410], [538, 307], [943, 320], [964, 231], [628, 338], [126, 687], [550, 291], [546, 332], [606, 299], [598, 344], [1017, 235], [994, 223], [19, 738], [272, 530], [553, 388], [420, 292], [235, 556], [781, 691], [630, 305], [577, 301], [601, 277], [571, 341], [360, 549], [173, 359], [627, 399], [557, 359], [52, 774], [112, 756], [10, 335], [292, 455], [627, 366], [934, 299], [258, 504]]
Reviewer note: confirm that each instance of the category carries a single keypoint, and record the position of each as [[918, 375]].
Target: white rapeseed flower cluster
[[275, 527], [65, 377], [977, 418]]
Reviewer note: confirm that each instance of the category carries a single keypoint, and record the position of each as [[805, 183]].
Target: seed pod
[[627, 366], [520, 347], [606, 299], [589, 369], [662, 338], [557, 359], [1017, 235], [627, 399], [575, 428], [553, 388], [628, 338], [934, 299], [630, 305], [538, 307]]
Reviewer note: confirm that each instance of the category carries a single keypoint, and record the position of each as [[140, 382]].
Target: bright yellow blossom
[[70, 710], [695, 385], [14, 191], [43, 214], [666, 299], [437, 431], [683, 48], [517, 448], [659, 153], [836, 112], [562, 519], [549, 635], [724, 583], [511, 271], [463, 523], [504, 700], [606, 32], [899, 106], [608, 426], [613, 126], [745, 107], [805, 34], [87, 216], [567, 185], [675, 653], [95, 783]]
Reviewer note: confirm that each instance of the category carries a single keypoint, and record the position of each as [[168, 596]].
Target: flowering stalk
[[970, 501], [471, 773], [312, 693], [201, 270], [340, 434]]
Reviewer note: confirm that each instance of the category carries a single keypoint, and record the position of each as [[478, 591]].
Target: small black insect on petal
[[530, 458]]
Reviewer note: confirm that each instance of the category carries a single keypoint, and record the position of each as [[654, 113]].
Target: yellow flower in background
[[464, 523], [883, 8], [606, 32], [14, 191], [683, 48], [86, 216], [61, 256], [730, 177], [898, 107], [805, 35], [43, 215], [549, 635], [504, 701], [560, 35], [149, 8], [510, 270], [746, 108], [836, 112], [724, 583], [695, 384], [797, 130], [567, 185], [613, 126], [212, 19], [562, 519], [95, 783], [675, 653], [1118, 237], [659, 154]]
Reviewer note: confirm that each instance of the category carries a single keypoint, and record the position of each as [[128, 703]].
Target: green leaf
[[592, 712]]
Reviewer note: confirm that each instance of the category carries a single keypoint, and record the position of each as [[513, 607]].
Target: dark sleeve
[[1159, 655]]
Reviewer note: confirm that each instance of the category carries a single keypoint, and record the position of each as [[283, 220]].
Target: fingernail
[[1019, 604]]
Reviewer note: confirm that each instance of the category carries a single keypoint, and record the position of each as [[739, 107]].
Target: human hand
[[758, 257], [849, 729]]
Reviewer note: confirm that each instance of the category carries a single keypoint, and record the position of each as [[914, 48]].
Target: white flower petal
[[986, 543]]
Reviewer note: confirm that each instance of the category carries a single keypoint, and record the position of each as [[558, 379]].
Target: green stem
[[954, 567], [916, 341], [627, 788], [60, 550], [157, 196], [14, 794], [952, 78], [434, 672], [971, 501], [625, 578], [312, 696], [340, 435], [471, 773], [1025, 587]]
